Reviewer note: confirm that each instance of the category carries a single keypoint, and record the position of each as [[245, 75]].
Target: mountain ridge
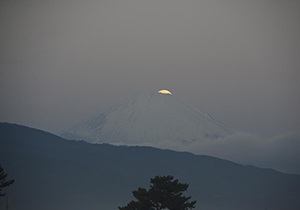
[[60, 174]]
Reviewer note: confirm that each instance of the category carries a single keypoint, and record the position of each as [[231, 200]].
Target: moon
[[166, 92]]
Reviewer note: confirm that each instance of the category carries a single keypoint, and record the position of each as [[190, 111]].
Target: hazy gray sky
[[63, 60]]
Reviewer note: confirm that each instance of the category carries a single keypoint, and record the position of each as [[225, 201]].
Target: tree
[[3, 182], [164, 193]]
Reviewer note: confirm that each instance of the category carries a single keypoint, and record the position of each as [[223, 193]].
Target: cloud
[[279, 152]]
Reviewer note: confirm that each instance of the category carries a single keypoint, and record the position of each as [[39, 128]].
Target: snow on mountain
[[148, 118]]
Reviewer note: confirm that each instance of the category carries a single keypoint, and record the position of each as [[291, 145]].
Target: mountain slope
[[54, 173], [148, 118]]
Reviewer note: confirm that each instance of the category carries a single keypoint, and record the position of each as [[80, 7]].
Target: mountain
[[53, 173], [148, 118]]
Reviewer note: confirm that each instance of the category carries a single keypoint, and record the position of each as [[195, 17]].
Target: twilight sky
[[64, 60]]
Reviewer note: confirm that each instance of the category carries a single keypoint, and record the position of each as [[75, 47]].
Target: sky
[[64, 60]]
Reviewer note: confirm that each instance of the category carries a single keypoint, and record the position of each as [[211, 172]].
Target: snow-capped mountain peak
[[148, 118]]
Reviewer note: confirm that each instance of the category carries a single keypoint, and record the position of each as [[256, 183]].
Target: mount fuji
[[147, 119]]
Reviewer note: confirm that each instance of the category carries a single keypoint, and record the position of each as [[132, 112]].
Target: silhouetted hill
[[53, 173]]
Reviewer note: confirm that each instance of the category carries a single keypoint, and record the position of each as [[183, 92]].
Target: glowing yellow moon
[[165, 92]]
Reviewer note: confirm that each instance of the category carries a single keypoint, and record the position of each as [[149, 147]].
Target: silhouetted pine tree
[[3, 182], [164, 193]]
